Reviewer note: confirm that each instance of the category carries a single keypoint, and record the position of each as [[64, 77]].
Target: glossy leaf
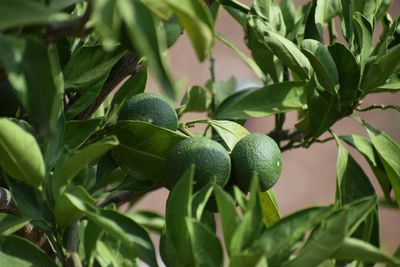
[[143, 149], [20, 154], [77, 132], [279, 238], [349, 74], [352, 182], [145, 36], [255, 103], [22, 253], [231, 132], [323, 64], [390, 88], [34, 72], [74, 164], [323, 241], [288, 53], [121, 227], [262, 54], [207, 250], [112, 252], [229, 218], [364, 146], [236, 9], [196, 99], [355, 249], [379, 71], [148, 219], [389, 153], [88, 64], [200, 200], [363, 33], [65, 213], [10, 223], [250, 227], [197, 21], [270, 207], [177, 210]]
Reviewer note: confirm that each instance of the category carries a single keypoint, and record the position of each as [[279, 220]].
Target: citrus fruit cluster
[[255, 154]]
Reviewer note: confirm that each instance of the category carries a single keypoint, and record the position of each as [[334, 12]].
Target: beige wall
[[308, 176]]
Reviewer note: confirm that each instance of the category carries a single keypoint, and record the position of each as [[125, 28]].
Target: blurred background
[[308, 176]]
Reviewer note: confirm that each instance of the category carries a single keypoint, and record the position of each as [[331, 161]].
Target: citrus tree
[[79, 136]]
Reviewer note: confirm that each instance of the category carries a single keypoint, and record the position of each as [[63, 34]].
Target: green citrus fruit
[[212, 162], [256, 153], [150, 108]]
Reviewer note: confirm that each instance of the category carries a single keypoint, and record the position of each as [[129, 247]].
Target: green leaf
[[9, 223], [355, 249], [255, 103], [349, 74], [90, 63], [112, 252], [20, 154], [134, 85], [323, 111], [363, 33], [65, 213], [379, 71], [73, 165], [223, 89], [262, 54], [359, 210], [196, 99], [229, 218], [196, 19], [148, 219], [352, 183], [34, 72], [289, 13], [250, 227], [92, 233], [231, 132], [107, 21], [323, 64], [77, 132], [19, 252], [323, 242], [34, 12], [314, 26], [121, 227], [178, 209], [270, 207], [279, 238], [148, 39], [200, 200], [389, 153], [247, 60], [143, 148], [364, 146], [236, 9], [389, 88], [207, 250], [287, 52], [28, 203]]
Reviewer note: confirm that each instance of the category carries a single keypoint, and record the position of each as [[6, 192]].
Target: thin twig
[[126, 66], [381, 106]]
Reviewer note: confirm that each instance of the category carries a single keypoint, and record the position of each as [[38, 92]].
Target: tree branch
[[72, 259], [126, 66], [383, 107], [71, 28]]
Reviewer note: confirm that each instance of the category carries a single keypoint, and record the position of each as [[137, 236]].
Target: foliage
[[68, 161]]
